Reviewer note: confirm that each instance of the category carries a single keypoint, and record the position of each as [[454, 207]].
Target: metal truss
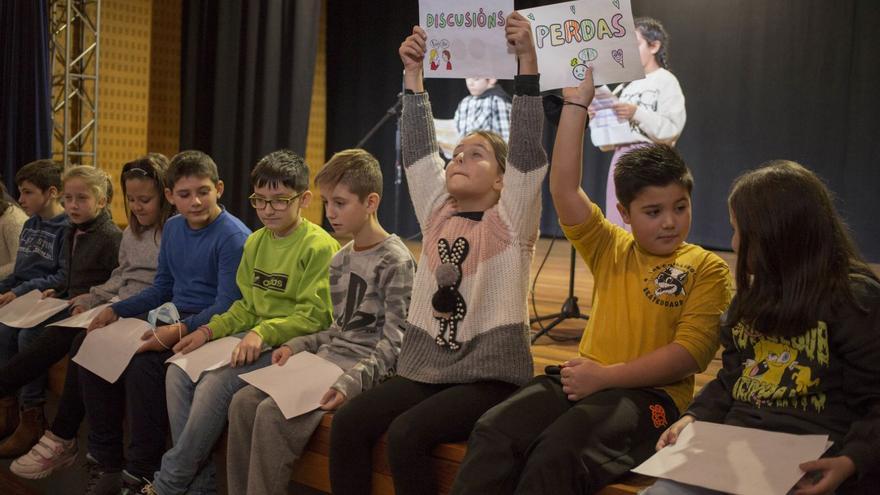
[[75, 41]]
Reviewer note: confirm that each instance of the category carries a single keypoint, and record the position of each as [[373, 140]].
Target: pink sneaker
[[49, 454]]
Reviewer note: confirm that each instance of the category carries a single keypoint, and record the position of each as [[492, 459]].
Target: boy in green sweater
[[285, 288]]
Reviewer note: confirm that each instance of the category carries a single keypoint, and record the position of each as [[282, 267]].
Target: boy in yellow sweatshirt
[[656, 309]]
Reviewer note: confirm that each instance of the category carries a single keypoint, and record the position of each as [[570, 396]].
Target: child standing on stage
[[654, 323], [653, 106], [802, 337], [370, 283], [143, 186], [90, 250], [285, 292], [466, 344], [195, 279]]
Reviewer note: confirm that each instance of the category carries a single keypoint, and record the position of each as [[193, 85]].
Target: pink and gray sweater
[[468, 319]]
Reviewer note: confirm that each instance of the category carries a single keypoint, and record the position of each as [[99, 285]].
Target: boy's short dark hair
[[282, 167], [41, 173], [191, 163], [655, 165], [357, 169]]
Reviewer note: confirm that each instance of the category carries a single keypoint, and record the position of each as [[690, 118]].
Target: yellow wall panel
[[316, 142], [163, 131], [124, 88]]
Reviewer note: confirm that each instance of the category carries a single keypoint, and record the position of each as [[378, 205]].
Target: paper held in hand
[[571, 36], [107, 351], [736, 460], [81, 320], [211, 356], [466, 38], [606, 130], [299, 385], [29, 310]]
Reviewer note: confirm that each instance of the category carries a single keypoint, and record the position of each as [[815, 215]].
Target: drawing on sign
[[580, 63], [617, 55]]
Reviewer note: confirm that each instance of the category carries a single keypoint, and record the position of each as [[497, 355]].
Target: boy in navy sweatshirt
[[38, 264], [200, 252]]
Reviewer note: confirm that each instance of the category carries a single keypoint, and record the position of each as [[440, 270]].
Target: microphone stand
[[569, 310], [393, 111]]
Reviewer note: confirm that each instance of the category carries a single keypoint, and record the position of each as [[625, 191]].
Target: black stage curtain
[[791, 79], [247, 70], [25, 97]]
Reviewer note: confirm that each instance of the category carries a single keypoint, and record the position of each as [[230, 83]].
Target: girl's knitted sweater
[[468, 319]]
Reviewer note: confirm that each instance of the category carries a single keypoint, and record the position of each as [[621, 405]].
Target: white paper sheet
[[29, 310], [81, 320], [107, 351], [212, 355], [735, 460], [298, 386], [571, 36], [466, 38], [605, 128], [447, 135]]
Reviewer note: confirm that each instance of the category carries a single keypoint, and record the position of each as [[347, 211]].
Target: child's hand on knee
[[670, 436], [104, 318], [163, 338], [582, 378], [7, 298], [248, 350], [281, 355], [332, 400], [827, 475], [193, 340]]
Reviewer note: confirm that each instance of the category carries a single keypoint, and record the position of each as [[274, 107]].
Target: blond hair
[[97, 180], [356, 168]]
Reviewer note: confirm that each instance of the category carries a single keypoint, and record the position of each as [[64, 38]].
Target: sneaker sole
[[41, 474]]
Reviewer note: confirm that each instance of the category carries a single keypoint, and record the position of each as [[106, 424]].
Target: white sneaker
[[49, 454]]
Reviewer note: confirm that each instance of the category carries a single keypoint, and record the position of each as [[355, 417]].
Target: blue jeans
[[197, 413]]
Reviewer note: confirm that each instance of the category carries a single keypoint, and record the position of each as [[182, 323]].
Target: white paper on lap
[[734, 459], [212, 355], [29, 310], [299, 385], [81, 320], [107, 351]]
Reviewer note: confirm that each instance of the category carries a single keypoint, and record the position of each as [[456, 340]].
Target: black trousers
[[138, 397], [417, 416], [71, 410], [32, 362], [539, 442]]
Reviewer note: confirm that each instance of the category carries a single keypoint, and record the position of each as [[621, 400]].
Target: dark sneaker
[[134, 485], [102, 481]]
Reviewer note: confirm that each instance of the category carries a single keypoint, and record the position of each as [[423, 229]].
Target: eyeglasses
[[278, 204]]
